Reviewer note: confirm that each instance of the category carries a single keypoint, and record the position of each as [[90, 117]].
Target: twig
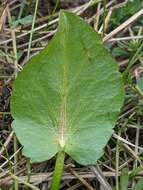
[[44, 177], [101, 11], [97, 17], [124, 25], [81, 179], [125, 38], [7, 142], [15, 161], [31, 33], [24, 182], [125, 141], [101, 178], [38, 39], [134, 154], [13, 42], [117, 161], [1, 166]]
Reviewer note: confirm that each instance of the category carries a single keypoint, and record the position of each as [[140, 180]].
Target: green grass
[[124, 151]]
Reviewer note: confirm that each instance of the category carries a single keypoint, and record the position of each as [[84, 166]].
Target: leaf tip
[[64, 14]]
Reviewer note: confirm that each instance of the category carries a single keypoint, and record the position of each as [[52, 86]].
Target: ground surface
[[123, 36]]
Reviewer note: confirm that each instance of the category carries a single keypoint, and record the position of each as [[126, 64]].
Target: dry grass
[[125, 148]]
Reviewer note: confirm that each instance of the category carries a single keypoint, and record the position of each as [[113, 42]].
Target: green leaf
[[140, 83], [133, 6], [124, 179], [121, 14], [139, 185], [117, 51], [68, 97], [26, 20]]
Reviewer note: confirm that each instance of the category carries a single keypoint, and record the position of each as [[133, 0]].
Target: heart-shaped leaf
[[68, 96]]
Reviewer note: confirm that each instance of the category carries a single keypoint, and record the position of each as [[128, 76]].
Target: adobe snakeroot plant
[[67, 98]]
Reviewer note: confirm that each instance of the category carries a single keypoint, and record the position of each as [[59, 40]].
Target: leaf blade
[[64, 87]]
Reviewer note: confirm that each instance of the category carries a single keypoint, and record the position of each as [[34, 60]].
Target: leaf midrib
[[63, 118]]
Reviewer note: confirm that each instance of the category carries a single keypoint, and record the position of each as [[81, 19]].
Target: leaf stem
[[58, 171]]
